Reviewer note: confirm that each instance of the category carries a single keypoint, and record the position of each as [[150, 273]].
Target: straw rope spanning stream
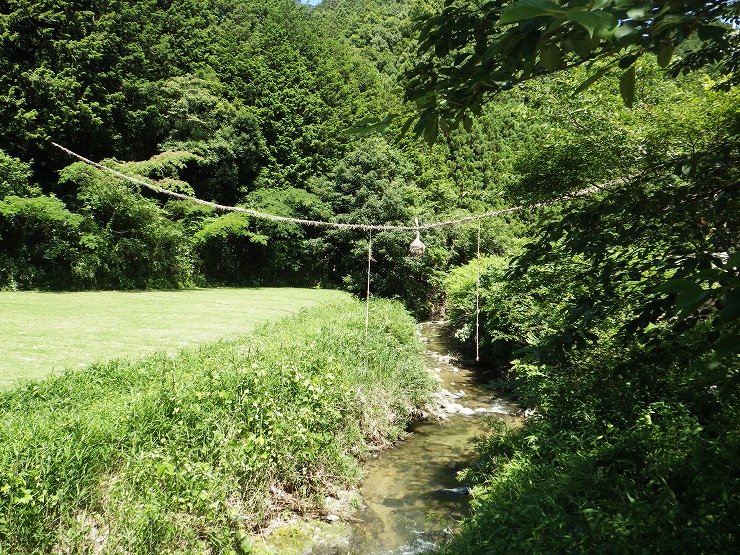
[[339, 225], [363, 227]]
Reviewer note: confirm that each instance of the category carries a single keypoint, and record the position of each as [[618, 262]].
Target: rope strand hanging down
[[364, 227], [477, 301], [367, 295]]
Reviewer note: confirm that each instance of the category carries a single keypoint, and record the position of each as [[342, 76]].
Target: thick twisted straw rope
[[318, 223], [364, 227]]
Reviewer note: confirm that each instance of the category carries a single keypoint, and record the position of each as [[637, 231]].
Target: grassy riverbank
[[189, 453], [41, 333]]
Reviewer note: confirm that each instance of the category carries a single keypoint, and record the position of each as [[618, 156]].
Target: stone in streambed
[[463, 490]]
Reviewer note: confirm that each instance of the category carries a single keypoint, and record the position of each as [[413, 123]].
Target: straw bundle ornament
[[417, 248]]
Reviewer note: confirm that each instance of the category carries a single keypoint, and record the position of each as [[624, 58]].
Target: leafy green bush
[[39, 242], [237, 249], [188, 453], [373, 185], [129, 241], [15, 178], [662, 484], [506, 315]]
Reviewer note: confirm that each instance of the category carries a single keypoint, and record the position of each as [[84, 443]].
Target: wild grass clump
[[190, 453]]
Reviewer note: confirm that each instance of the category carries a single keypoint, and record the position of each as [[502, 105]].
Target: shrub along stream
[[190, 453]]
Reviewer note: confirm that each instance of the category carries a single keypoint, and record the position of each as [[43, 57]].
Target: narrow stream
[[411, 495]]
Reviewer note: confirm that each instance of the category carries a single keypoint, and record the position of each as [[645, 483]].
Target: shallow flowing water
[[411, 495]]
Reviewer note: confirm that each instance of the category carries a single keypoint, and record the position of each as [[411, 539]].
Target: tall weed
[[186, 453], [664, 484]]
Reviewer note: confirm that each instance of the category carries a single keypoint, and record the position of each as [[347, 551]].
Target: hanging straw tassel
[[417, 248], [477, 300]]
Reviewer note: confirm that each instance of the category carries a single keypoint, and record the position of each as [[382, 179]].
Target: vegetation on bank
[[618, 321], [189, 453]]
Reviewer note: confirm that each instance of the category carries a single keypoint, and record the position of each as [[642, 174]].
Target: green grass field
[[43, 333]]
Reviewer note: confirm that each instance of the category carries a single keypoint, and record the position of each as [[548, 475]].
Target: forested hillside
[[614, 316], [244, 103], [240, 103]]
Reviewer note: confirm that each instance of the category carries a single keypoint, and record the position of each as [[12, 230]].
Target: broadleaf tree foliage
[[619, 319], [473, 49]]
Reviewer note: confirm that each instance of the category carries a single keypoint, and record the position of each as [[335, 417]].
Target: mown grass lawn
[[43, 333]]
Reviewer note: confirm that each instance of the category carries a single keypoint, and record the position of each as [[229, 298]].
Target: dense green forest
[[245, 103], [615, 316]]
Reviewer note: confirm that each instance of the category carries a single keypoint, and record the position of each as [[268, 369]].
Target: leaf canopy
[[469, 50]]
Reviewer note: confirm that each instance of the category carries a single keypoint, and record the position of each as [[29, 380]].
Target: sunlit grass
[[193, 452], [43, 333]]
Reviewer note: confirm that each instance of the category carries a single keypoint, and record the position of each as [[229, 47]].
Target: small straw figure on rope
[[417, 248]]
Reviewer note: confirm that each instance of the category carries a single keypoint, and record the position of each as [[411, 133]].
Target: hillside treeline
[[242, 103], [256, 93]]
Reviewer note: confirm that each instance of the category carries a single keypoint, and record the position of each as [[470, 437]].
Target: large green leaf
[[627, 33], [597, 23], [370, 125], [665, 54], [731, 309], [431, 128], [711, 32], [728, 345], [593, 78], [679, 286], [689, 295], [527, 9], [550, 57], [585, 46], [686, 304]]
